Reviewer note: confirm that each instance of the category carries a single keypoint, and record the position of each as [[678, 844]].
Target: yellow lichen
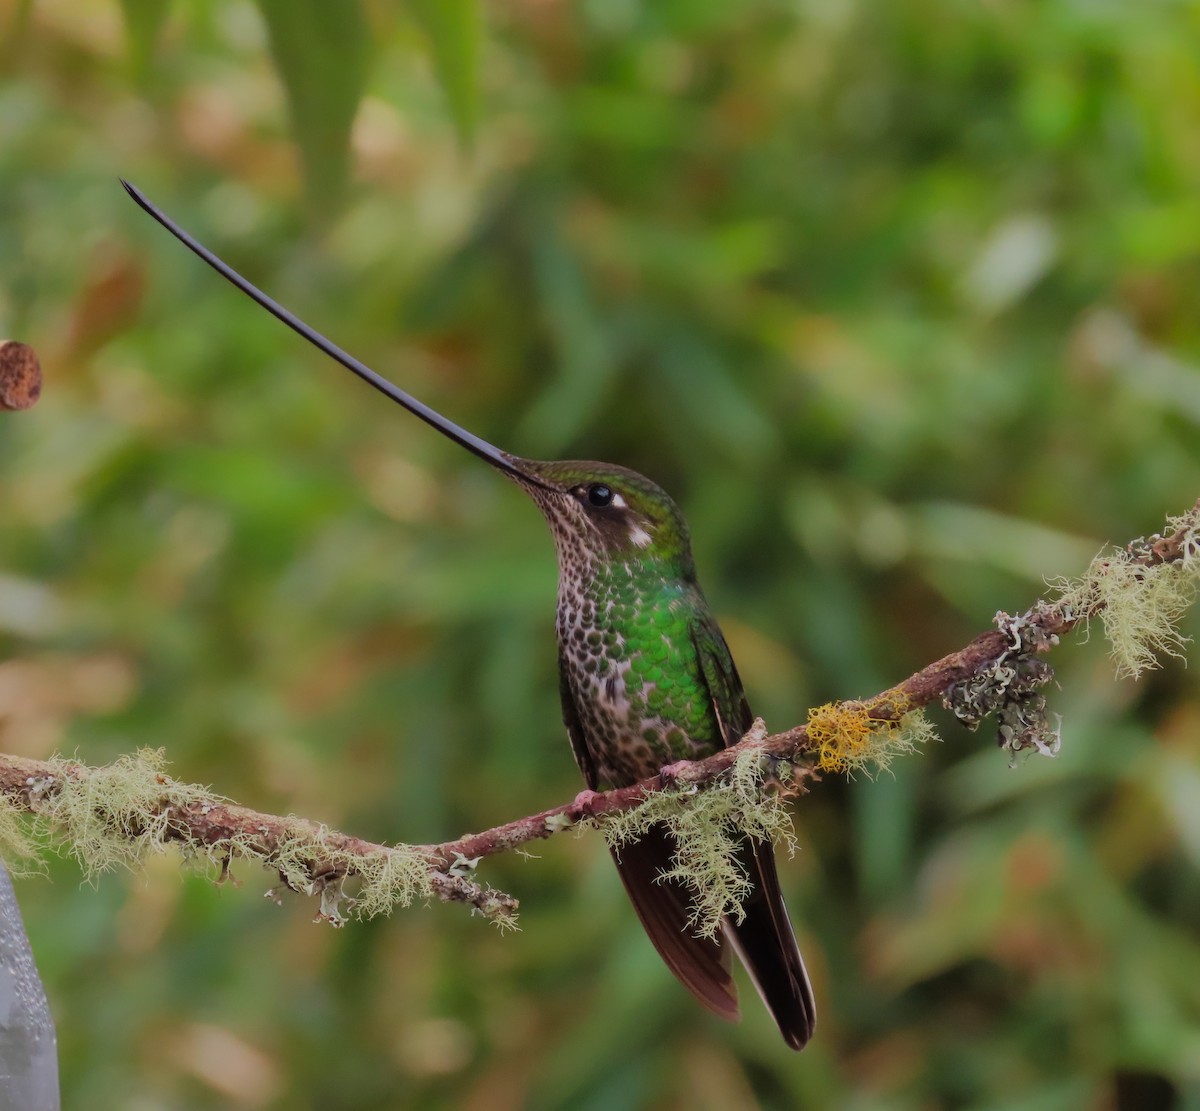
[[856, 736]]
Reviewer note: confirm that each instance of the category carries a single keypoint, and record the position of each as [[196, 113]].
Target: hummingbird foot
[[668, 776], [585, 804]]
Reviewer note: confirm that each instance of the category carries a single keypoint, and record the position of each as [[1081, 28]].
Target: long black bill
[[510, 464]]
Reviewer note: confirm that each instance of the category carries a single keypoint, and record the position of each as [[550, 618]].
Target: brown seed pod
[[20, 375]]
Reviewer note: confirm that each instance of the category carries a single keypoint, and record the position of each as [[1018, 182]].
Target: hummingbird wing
[[663, 906], [764, 939], [579, 746]]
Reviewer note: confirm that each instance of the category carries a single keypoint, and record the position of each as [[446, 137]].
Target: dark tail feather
[[701, 965], [767, 947]]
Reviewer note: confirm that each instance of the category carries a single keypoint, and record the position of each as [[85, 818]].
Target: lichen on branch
[[710, 823], [1141, 593], [117, 815], [848, 737]]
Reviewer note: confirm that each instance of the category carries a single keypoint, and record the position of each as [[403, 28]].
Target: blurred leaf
[[455, 30], [322, 53], [581, 358], [143, 21]]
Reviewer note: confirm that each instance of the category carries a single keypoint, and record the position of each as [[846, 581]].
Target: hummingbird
[[645, 678]]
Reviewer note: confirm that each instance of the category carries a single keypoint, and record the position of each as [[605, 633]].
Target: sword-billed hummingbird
[[646, 679]]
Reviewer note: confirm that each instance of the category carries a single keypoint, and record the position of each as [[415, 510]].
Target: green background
[[898, 300]]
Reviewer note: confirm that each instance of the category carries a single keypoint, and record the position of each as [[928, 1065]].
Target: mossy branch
[[118, 814]]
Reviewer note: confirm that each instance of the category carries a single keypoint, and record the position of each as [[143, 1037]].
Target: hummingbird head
[[609, 511]]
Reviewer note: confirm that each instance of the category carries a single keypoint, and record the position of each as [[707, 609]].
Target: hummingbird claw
[[585, 803], [668, 776]]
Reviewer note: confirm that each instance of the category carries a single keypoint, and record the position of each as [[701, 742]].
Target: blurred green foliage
[[898, 300]]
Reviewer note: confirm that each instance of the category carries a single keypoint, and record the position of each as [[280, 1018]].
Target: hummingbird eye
[[599, 495]]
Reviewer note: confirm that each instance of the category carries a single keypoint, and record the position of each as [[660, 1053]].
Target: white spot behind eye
[[639, 536], [618, 501]]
